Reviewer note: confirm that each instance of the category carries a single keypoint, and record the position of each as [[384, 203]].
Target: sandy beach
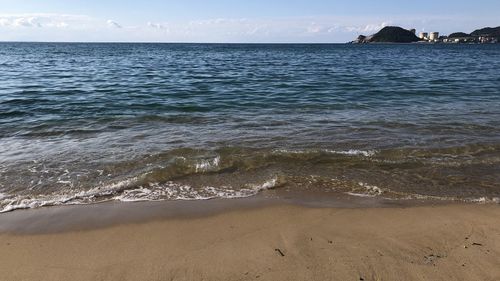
[[273, 242]]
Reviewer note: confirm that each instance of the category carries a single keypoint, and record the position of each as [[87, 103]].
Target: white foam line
[[361, 195], [173, 191], [354, 152], [350, 152], [153, 192], [83, 197]]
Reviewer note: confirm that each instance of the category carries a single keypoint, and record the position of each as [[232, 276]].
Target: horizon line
[[177, 42]]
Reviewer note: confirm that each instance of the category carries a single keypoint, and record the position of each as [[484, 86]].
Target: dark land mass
[[395, 34], [390, 34], [487, 32], [458, 35]]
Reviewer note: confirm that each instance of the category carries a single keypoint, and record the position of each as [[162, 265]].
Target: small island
[[389, 34], [396, 34]]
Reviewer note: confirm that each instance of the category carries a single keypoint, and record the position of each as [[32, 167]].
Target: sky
[[233, 21]]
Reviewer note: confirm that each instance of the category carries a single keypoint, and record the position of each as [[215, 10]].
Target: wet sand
[[266, 242]]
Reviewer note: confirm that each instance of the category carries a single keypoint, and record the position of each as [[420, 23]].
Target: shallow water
[[83, 123]]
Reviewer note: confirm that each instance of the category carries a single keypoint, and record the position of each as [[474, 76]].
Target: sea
[[84, 123]]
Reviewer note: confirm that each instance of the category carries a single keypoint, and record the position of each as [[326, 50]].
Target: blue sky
[[233, 21]]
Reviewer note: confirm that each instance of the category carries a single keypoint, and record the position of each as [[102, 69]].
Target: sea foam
[[208, 165], [119, 192]]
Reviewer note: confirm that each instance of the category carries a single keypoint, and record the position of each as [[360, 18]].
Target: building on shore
[[487, 39], [423, 35], [433, 36]]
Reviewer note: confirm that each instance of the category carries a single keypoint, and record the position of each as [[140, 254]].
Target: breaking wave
[[467, 174], [119, 192]]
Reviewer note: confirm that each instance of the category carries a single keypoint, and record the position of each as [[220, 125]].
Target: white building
[[423, 35], [434, 36]]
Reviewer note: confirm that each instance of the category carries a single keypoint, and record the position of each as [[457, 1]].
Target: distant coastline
[[396, 34]]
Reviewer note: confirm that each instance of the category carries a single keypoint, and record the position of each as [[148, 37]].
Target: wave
[[354, 152], [119, 192], [367, 190], [171, 191], [349, 152], [207, 165], [466, 173], [14, 202], [371, 191]]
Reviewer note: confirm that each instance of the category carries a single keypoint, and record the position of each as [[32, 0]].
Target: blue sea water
[[83, 123]]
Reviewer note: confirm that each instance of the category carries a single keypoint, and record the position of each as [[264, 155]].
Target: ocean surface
[[86, 123]]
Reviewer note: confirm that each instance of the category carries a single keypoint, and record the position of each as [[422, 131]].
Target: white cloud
[[274, 30], [39, 20], [314, 28], [157, 25], [27, 22], [4, 22], [67, 27], [113, 24], [58, 25], [367, 28]]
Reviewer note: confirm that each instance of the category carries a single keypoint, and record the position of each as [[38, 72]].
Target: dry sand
[[283, 242]]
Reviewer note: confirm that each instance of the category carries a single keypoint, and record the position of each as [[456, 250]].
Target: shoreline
[[270, 242], [87, 217]]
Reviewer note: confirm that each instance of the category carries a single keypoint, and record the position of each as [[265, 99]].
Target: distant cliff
[[389, 34]]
